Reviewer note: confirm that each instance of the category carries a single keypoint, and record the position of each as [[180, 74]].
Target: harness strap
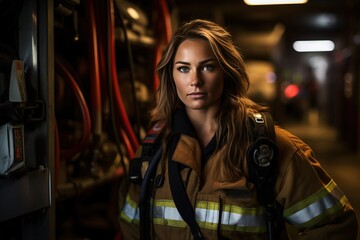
[[262, 158], [145, 196], [179, 194]]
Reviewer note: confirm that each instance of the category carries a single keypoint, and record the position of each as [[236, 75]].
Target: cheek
[[220, 90], [218, 86], [179, 82], [180, 90], [179, 87]]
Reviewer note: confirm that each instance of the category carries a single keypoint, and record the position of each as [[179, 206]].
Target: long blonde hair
[[233, 133]]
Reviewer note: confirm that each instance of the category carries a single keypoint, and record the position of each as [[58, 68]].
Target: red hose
[[119, 103], [156, 60], [69, 153], [124, 136], [166, 18], [164, 30]]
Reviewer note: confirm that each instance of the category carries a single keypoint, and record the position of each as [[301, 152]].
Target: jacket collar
[[188, 151], [181, 123], [184, 147]]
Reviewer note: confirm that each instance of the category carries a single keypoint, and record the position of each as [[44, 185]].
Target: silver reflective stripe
[[130, 211], [207, 215], [165, 213], [316, 207], [169, 213], [229, 218], [242, 220], [312, 210], [232, 217]]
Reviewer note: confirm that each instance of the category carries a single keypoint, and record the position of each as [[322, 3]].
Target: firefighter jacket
[[314, 207]]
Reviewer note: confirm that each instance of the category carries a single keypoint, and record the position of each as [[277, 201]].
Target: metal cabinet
[[27, 199]]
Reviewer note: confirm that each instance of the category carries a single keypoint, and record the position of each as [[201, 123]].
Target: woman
[[203, 107]]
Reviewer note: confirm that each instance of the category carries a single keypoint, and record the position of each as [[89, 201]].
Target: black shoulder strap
[[151, 153], [263, 125], [145, 196], [152, 140], [150, 144], [262, 157], [179, 194]]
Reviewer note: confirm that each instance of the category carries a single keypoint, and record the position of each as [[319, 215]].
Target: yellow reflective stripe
[[207, 214], [244, 211], [233, 218], [316, 207], [130, 212], [169, 222]]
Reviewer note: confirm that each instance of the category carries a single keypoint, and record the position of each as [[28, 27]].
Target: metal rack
[[27, 200]]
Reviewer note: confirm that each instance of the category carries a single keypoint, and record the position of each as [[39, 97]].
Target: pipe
[[94, 71], [119, 103], [164, 30], [166, 20], [86, 131], [131, 69]]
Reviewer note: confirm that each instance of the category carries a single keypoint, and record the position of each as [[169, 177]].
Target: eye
[[208, 67], [183, 69]]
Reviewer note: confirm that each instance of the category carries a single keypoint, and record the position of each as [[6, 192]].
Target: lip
[[197, 94]]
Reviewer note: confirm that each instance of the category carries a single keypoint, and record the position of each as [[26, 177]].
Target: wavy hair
[[234, 132]]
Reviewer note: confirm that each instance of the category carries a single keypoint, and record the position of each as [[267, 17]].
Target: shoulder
[[297, 162], [292, 150], [287, 141]]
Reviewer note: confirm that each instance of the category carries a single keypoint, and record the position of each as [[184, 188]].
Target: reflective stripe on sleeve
[[316, 207], [233, 218], [130, 211]]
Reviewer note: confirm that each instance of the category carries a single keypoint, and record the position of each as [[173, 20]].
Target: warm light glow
[[133, 13], [274, 2], [314, 46]]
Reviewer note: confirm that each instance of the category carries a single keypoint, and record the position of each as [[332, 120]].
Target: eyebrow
[[182, 62], [202, 62]]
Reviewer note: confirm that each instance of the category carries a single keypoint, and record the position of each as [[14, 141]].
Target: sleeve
[[312, 201], [130, 214]]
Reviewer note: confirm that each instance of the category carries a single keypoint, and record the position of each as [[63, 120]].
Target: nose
[[196, 80]]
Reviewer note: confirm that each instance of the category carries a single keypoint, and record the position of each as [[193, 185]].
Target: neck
[[205, 124]]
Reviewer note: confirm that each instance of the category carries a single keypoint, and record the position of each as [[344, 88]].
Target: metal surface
[[25, 194]]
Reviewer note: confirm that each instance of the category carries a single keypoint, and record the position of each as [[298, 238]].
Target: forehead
[[194, 48]]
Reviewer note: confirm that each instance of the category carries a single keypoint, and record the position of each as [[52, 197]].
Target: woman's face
[[199, 79]]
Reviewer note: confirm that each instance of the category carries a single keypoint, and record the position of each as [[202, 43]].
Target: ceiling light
[[314, 46], [274, 2], [325, 20]]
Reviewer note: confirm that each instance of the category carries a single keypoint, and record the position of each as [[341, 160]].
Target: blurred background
[[77, 82]]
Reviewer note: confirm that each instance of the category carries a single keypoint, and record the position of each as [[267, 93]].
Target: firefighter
[[203, 108]]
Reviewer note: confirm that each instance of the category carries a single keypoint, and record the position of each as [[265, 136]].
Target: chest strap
[[145, 196], [179, 194]]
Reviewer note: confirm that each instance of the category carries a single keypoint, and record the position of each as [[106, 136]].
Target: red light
[[291, 91]]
